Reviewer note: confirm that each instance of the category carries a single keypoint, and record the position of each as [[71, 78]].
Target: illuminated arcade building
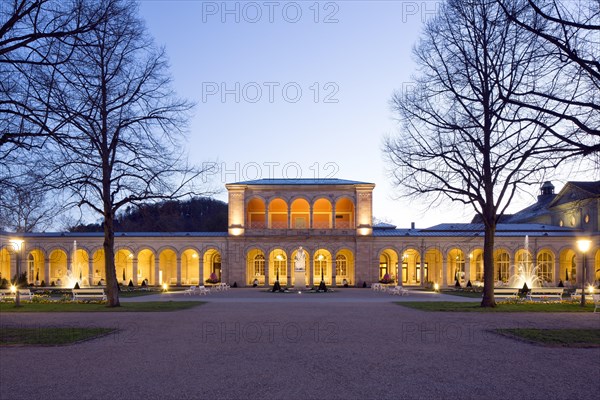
[[269, 219]]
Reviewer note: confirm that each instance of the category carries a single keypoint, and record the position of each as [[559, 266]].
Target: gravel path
[[345, 345]]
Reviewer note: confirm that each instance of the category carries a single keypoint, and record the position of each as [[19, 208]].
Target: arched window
[[320, 265], [502, 266], [341, 265], [259, 264], [279, 264], [479, 267], [545, 266]]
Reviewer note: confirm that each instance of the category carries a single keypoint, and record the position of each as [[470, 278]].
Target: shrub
[[4, 284], [43, 283], [386, 279]]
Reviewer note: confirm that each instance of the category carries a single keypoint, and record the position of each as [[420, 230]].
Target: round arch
[[300, 213], [344, 267], [322, 264], [145, 267], [58, 266], [278, 266], [456, 266], [344, 213], [388, 265], [124, 265], [255, 267], [434, 261], [502, 266], [568, 266], [545, 261], [5, 264], [256, 213], [167, 262], [321, 213], [35, 267], [213, 266], [278, 214]]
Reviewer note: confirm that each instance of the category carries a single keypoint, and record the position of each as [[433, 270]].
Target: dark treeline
[[196, 215]]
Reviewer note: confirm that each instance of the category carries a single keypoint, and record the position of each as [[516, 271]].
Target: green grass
[[501, 307], [556, 337], [138, 293], [462, 294], [49, 336], [147, 306]]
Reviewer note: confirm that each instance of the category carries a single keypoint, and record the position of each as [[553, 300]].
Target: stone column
[[134, 271], [47, 270], [289, 264], [267, 224], [556, 276], [267, 271], [444, 271], [333, 272], [422, 269], [310, 216], [90, 272], [201, 270], [468, 261], [157, 270], [178, 270]]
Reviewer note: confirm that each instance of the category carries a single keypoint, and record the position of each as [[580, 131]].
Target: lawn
[[147, 306], [501, 307], [556, 337], [49, 336]]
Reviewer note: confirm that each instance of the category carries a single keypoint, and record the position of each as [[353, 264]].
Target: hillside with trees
[[199, 214]]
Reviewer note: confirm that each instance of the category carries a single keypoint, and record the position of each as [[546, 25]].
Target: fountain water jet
[[526, 273]]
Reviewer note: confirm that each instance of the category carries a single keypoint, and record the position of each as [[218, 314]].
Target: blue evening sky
[[296, 89]]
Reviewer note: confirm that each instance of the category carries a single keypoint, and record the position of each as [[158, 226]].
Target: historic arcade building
[[331, 219]]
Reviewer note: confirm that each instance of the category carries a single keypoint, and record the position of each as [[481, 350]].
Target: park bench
[[8, 294], [545, 292], [588, 295], [506, 293], [89, 294]]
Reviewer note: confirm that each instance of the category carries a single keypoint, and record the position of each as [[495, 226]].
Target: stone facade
[[331, 219]]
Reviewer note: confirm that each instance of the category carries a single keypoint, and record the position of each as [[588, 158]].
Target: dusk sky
[[298, 89]]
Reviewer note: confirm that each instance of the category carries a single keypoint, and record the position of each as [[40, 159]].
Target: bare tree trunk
[[488, 266], [112, 285]]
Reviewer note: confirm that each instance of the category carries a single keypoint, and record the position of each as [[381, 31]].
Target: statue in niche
[[300, 260]]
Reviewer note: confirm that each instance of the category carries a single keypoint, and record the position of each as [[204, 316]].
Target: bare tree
[[122, 140], [568, 91], [25, 205], [459, 138], [34, 34]]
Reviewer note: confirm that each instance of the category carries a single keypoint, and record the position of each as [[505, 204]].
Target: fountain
[[71, 278], [526, 273]]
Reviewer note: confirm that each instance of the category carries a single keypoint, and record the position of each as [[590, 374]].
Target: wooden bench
[[588, 295], [8, 294], [506, 293], [545, 292], [89, 294]]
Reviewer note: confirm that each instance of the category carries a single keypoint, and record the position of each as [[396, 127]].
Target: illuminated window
[[479, 267], [320, 265], [545, 265], [259, 264], [502, 266], [341, 265]]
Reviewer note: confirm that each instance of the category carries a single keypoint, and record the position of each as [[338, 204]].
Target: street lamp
[[583, 245], [17, 245]]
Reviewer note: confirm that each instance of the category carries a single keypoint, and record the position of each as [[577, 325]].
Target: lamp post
[[17, 245], [583, 245]]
